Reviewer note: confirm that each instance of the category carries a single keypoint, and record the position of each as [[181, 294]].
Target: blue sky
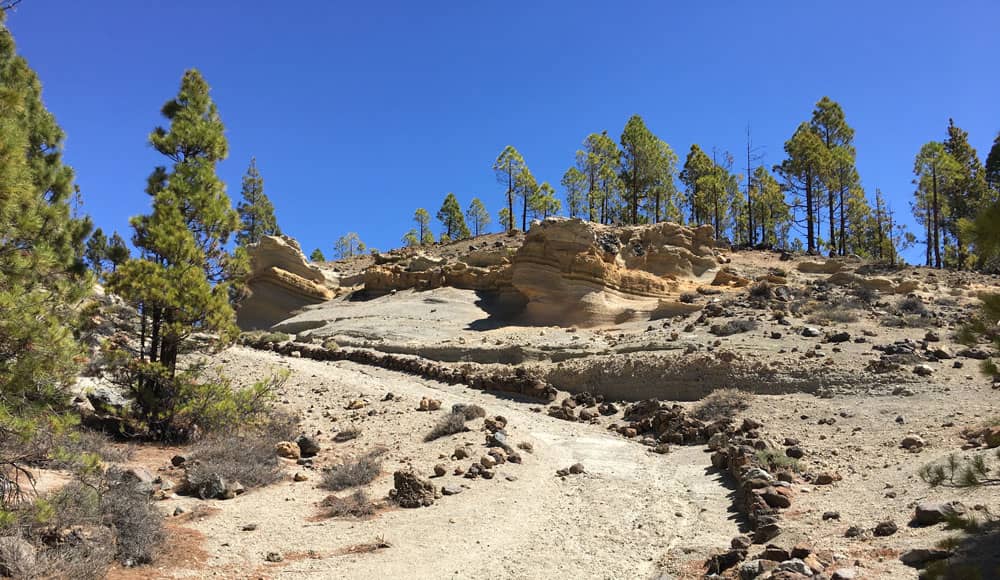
[[360, 112]]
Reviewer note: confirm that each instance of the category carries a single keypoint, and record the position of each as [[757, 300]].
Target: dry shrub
[[843, 312], [722, 404], [689, 297], [139, 525], [353, 473], [732, 327], [761, 290], [912, 305], [449, 425], [355, 505], [247, 457], [470, 411]]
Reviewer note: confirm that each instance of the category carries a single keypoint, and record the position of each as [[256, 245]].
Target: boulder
[[928, 513], [411, 491], [281, 281]]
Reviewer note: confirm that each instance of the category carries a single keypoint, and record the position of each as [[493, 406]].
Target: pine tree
[[97, 251], [317, 256], [180, 283], [477, 216], [696, 166], [526, 187], [772, 217], [992, 168], [544, 202], [505, 219], [600, 161], [423, 221], [935, 170], [42, 276], [256, 210], [118, 252], [348, 246], [450, 216], [507, 167], [803, 171], [967, 193], [639, 152], [410, 239], [574, 182], [839, 175]]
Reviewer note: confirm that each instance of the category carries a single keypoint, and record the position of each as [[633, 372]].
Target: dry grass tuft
[[449, 425], [355, 505], [353, 473], [722, 404]]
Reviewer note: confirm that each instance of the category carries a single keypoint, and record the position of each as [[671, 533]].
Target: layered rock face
[[577, 272], [281, 282]]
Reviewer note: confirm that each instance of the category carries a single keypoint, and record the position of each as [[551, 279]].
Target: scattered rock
[[287, 449], [451, 490], [428, 404], [410, 491], [929, 513], [886, 528], [912, 442], [440, 470], [308, 447], [274, 557], [923, 370], [919, 557]]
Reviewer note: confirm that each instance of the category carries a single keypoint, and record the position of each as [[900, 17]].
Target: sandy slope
[[630, 510]]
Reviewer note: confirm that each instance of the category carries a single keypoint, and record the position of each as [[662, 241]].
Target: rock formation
[[281, 281], [577, 272]]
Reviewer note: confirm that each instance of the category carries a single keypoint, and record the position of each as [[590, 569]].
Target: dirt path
[[631, 511]]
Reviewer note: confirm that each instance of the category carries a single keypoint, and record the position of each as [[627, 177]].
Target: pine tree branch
[[6, 5]]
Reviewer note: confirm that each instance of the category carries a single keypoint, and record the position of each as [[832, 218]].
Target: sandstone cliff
[[281, 281], [577, 272]]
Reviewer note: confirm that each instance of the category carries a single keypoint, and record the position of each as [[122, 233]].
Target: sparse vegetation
[[732, 327], [449, 425], [722, 404], [245, 456], [353, 472], [776, 460], [761, 290], [469, 411], [347, 434], [955, 471], [355, 505], [689, 297], [827, 312]]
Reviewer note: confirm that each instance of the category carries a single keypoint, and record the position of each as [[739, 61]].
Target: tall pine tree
[[255, 209], [180, 282]]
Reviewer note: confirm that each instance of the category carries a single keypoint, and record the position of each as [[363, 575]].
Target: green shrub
[[776, 460]]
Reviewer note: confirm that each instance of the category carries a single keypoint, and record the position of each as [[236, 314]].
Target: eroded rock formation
[[281, 281], [577, 272]]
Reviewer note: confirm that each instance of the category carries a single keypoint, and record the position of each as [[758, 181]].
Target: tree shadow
[[976, 556]]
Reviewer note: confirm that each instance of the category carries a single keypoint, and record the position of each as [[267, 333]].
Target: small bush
[[761, 290], [247, 457], [689, 297], [733, 327], [470, 411], [865, 294], [843, 312], [353, 473], [449, 425], [722, 404], [912, 305], [958, 472], [139, 525], [355, 505], [776, 460]]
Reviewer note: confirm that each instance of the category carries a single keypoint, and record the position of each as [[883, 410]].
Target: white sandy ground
[[631, 510]]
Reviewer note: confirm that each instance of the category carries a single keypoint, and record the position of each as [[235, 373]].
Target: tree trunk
[[937, 222], [843, 225], [810, 216]]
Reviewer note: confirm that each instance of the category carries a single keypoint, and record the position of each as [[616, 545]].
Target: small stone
[[576, 468], [287, 449], [844, 574], [249, 527], [795, 452], [299, 476], [178, 460], [912, 442], [929, 513], [810, 332], [825, 478], [831, 516], [487, 461], [923, 370], [853, 532], [308, 446], [886, 528], [356, 404], [440, 470], [274, 557], [460, 453], [918, 557], [451, 490]]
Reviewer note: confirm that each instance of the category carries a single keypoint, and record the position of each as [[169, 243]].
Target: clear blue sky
[[360, 112]]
